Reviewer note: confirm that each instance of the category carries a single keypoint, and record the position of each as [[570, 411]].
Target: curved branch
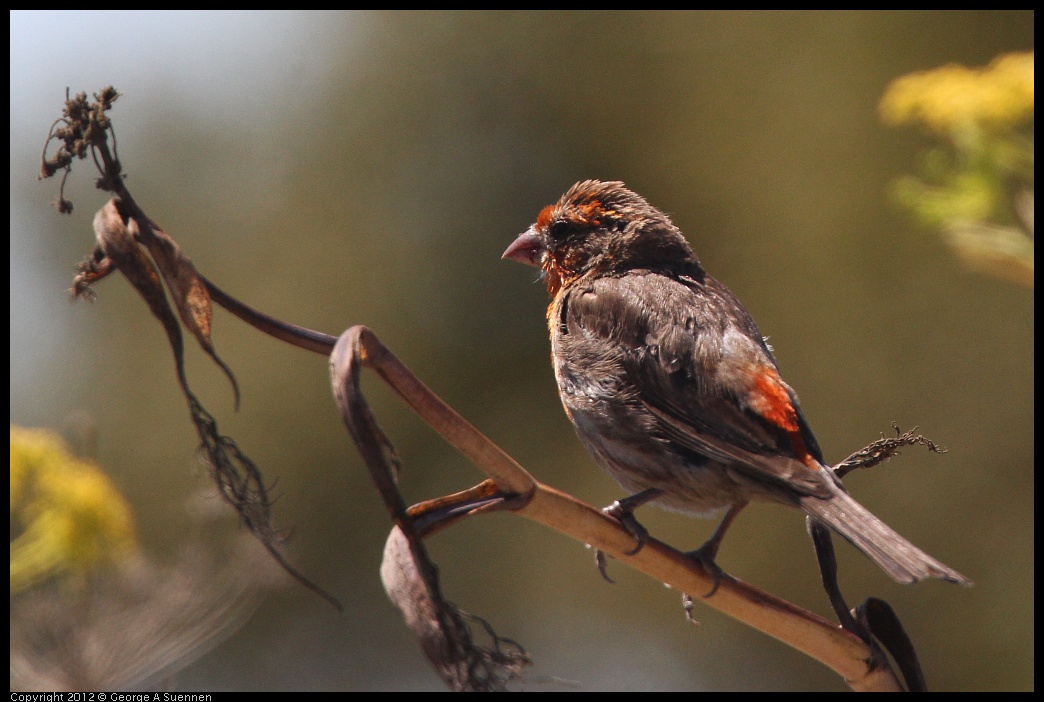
[[842, 651]]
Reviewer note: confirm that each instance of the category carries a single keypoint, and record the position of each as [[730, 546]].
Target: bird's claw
[[705, 556], [623, 512], [625, 515], [602, 561]]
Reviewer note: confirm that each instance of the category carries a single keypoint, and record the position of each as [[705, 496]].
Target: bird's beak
[[527, 249]]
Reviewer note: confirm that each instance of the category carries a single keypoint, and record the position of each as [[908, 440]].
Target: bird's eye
[[559, 230]]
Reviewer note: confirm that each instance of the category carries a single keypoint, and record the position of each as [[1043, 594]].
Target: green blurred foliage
[[384, 195], [978, 183]]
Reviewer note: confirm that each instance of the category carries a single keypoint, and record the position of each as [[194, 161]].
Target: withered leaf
[[186, 289], [117, 240], [877, 616], [412, 586]]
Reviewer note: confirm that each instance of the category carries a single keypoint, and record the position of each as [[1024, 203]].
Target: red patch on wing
[[772, 402]]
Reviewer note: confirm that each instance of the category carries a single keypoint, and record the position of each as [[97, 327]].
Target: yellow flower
[[953, 97], [73, 516]]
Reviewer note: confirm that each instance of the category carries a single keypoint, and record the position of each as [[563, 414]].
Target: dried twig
[[884, 449], [131, 243]]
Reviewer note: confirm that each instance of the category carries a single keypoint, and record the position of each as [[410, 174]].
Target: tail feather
[[898, 557]]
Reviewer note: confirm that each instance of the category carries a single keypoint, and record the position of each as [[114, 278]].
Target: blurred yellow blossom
[[977, 186], [128, 622], [951, 97], [72, 516]]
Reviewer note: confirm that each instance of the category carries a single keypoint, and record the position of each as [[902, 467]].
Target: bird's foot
[[705, 556], [623, 512]]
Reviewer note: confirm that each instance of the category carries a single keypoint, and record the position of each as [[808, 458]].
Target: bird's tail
[[898, 557]]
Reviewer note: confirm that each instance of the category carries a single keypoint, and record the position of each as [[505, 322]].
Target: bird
[[672, 388]]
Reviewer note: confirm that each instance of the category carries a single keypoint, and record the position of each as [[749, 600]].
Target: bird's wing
[[695, 361]]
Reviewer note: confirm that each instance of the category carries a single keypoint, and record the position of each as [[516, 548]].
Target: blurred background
[[342, 168]]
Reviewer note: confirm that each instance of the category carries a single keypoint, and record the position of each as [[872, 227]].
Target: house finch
[[671, 386]]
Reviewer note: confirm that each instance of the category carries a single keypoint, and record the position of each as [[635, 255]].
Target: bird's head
[[600, 228]]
